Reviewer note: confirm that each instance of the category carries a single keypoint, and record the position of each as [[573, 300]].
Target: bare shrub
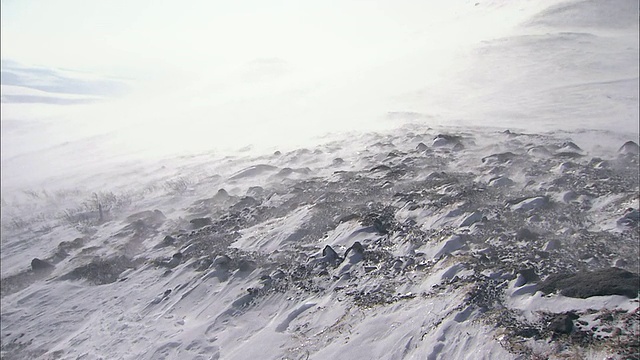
[[177, 186]]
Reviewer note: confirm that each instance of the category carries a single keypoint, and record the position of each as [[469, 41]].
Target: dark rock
[[40, 265], [356, 248], [247, 265], [611, 281], [380, 226], [630, 218], [278, 274], [380, 168], [562, 323], [101, 271], [527, 276], [200, 222], [629, 147], [526, 234], [421, 147], [570, 145], [568, 155], [255, 191], [349, 217], [176, 259], [499, 158], [285, 171], [245, 202], [221, 195], [338, 161], [277, 153], [222, 261], [528, 332], [204, 264], [329, 254], [446, 140], [153, 218], [71, 245], [167, 241]]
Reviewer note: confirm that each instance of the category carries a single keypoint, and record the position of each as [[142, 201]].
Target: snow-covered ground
[[417, 222]]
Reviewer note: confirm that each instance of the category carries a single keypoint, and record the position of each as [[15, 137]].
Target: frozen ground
[[513, 234]]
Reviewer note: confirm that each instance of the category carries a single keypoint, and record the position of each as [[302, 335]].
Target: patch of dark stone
[[153, 218], [167, 241], [101, 271], [568, 155], [38, 265], [499, 158], [380, 168], [198, 223], [611, 281], [526, 234], [71, 245], [246, 202], [561, 324], [629, 147], [631, 218]]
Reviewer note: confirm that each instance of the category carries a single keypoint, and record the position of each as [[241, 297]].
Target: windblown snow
[[506, 230]]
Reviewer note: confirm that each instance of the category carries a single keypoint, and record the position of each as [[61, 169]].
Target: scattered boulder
[[422, 147], [501, 181], [247, 265], [221, 195], [446, 140], [348, 218], [473, 218], [380, 168], [611, 281], [553, 244], [631, 218], [40, 265], [167, 241], [198, 223], [569, 146], [629, 147], [176, 259], [222, 261], [101, 271], [153, 218], [568, 155], [203, 264], [526, 276], [355, 252], [526, 235], [330, 255], [245, 202], [529, 203], [539, 151], [255, 191], [562, 323], [499, 158], [66, 246], [454, 243]]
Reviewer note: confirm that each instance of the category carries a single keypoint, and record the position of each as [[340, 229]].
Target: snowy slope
[[436, 236]]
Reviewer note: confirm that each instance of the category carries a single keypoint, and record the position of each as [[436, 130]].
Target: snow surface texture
[[426, 241], [407, 248]]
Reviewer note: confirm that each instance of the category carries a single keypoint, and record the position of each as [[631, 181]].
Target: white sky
[[244, 64], [196, 39], [212, 74]]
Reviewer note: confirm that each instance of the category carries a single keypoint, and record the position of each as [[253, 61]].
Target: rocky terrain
[[420, 243]]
